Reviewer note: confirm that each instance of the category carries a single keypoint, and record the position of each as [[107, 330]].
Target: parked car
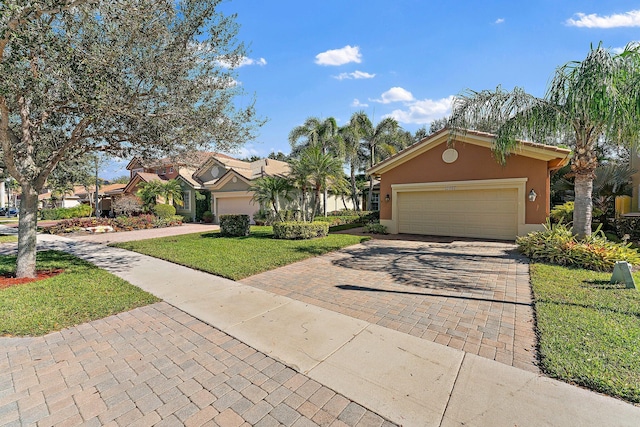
[[8, 212]]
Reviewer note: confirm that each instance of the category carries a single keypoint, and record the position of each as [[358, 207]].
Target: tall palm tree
[[592, 99], [271, 190], [321, 169], [320, 133], [352, 141], [381, 141], [300, 178]]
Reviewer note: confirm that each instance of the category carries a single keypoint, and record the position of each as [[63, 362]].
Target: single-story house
[[457, 188], [53, 200]]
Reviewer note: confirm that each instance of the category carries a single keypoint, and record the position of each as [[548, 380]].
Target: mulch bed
[[7, 280]]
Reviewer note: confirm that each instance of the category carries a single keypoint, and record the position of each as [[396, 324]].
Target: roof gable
[[559, 156], [227, 177]]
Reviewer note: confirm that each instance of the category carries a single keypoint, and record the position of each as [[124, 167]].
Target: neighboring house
[[459, 189], [106, 193], [226, 179], [229, 179], [375, 197], [51, 200]]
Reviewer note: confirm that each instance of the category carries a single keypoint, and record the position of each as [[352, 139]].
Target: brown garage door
[[491, 214]]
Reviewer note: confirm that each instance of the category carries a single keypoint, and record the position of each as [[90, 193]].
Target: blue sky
[[404, 58]]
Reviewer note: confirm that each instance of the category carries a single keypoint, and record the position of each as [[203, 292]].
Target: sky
[[404, 58]]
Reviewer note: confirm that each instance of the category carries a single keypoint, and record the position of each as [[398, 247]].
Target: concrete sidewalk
[[406, 379]]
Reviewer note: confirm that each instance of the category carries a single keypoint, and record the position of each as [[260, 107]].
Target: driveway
[[470, 295]]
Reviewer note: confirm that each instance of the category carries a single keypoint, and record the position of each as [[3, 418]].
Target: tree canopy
[[122, 77]]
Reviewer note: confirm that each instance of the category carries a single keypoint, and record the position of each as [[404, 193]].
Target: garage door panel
[[465, 213], [236, 205]]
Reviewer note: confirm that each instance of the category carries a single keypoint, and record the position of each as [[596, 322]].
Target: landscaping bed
[[238, 257], [74, 292], [121, 223], [588, 329]]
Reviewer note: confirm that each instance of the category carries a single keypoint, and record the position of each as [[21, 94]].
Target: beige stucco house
[[457, 188]]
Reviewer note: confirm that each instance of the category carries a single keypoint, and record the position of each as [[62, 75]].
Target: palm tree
[[149, 193], [321, 169], [592, 99], [299, 178], [381, 141], [172, 192], [320, 133], [352, 137], [270, 190]]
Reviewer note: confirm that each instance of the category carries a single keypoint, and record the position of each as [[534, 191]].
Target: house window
[[186, 201], [375, 202], [171, 170]]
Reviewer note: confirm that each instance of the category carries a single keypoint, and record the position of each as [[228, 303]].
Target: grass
[[237, 257], [80, 294], [8, 238], [589, 330]]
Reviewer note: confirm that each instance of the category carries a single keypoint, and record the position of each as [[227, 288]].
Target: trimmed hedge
[[300, 230], [163, 210], [121, 223], [234, 225], [79, 211], [340, 220]]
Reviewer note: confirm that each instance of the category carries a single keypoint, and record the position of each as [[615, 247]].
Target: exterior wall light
[[532, 195], [387, 198]]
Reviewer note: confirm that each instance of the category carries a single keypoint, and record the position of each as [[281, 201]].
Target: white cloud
[[423, 111], [250, 61], [341, 56], [395, 94], [245, 152], [499, 21], [619, 50], [355, 75], [593, 20], [356, 103]]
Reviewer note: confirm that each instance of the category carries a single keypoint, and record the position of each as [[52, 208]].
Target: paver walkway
[[157, 365], [470, 295]]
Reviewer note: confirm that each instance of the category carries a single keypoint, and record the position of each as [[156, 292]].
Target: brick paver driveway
[[156, 365], [470, 295]]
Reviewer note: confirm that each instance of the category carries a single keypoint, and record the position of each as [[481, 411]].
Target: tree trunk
[[27, 222], [370, 196], [354, 190], [582, 205]]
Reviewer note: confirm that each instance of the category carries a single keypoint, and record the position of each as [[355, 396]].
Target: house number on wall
[[449, 188]]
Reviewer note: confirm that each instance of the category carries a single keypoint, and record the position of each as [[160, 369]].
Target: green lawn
[[238, 257], [8, 238], [589, 330], [80, 294]]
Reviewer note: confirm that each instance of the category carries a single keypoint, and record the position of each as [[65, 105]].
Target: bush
[[234, 225], [208, 217], [564, 213], [79, 211], [300, 230], [163, 210], [557, 245], [628, 226], [340, 220], [375, 229], [127, 204], [121, 223]]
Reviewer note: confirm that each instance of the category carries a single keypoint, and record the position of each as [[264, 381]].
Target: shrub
[[126, 205], [121, 223], [79, 211], [564, 213], [340, 220], [163, 210], [234, 225], [300, 230], [208, 217], [556, 244], [375, 229], [628, 226]]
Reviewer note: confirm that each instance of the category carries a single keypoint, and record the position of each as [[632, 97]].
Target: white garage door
[[491, 214], [237, 205]]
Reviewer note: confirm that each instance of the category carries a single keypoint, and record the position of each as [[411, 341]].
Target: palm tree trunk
[[27, 222], [370, 196], [582, 205], [354, 190]]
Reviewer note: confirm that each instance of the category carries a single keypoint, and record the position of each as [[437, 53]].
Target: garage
[[491, 214], [236, 205], [452, 185]]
